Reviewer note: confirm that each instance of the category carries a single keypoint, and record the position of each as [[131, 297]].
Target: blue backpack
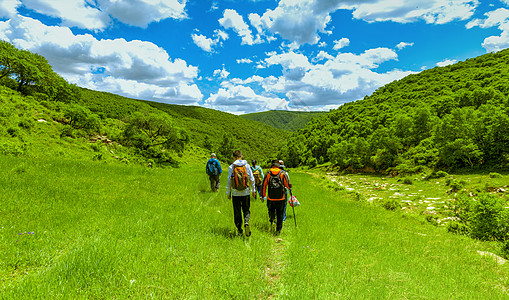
[[212, 168]]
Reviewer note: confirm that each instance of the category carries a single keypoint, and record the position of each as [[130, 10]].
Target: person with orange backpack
[[273, 190], [240, 182], [258, 176]]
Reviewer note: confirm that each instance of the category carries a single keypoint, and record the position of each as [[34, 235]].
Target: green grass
[[112, 231]]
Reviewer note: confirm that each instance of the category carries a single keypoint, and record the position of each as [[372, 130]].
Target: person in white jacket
[[240, 183]]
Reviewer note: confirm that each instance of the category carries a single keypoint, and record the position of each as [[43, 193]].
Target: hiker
[[240, 181], [214, 171], [258, 176], [282, 167], [273, 190]]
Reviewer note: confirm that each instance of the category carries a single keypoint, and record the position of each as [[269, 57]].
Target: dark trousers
[[214, 182], [285, 203], [276, 212], [241, 205], [259, 189]]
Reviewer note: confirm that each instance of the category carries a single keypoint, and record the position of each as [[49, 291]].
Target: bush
[[454, 184], [407, 181], [389, 204], [495, 175], [433, 220], [437, 174], [485, 218], [490, 219], [458, 228]]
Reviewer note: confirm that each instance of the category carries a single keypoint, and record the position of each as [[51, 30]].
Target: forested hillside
[[446, 117], [282, 119], [43, 115]]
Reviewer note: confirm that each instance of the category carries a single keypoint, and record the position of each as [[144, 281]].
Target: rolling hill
[[282, 119], [43, 115], [455, 116]]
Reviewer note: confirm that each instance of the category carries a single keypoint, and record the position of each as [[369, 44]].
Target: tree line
[[443, 118]]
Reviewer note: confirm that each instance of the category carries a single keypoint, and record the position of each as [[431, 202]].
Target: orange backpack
[[240, 179]]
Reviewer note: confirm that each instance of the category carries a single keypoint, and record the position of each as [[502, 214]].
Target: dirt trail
[[275, 265]]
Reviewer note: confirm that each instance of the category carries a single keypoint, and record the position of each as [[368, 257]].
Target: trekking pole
[[293, 209]]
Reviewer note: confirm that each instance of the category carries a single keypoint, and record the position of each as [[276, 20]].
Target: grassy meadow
[[85, 229]]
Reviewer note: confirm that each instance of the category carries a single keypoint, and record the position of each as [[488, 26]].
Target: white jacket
[[234, 192]]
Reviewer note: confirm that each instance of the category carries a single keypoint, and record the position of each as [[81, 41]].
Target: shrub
[[433, 220], [407, 181], [489, 219], [437, 174], [13, 132], [312, 162], [455, 185], [495, 175], [389, 204], [458, 228], [25, 124]]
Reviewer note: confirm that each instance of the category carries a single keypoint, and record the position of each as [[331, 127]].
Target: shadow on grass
[[225, 232]]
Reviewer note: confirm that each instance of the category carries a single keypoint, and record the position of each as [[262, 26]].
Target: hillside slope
[[446, 117], [210, 128], [287, 120]]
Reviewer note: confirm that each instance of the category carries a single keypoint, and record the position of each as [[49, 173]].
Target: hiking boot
[[247, 229]]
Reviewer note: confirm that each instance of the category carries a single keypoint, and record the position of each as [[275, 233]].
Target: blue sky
[[251, 55]]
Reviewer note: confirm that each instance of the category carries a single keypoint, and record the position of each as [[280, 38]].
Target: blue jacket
[[217, 165]]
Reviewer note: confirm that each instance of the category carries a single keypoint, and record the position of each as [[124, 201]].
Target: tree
[[151, 130], [7, 58]]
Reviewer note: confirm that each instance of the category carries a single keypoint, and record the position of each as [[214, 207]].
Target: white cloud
[[431, 11], [8, 8], [302, 21], [240, 99], [403, 45], [500, 18], [143, 12], [494, 18], [232, 20], [310, 86], [97, 15], [221, 73], [244, 61], [446, 62], [205, 43], [341, 43], [138, 64]]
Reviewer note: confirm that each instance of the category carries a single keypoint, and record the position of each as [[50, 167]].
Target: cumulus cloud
[[403, 45], [205, 43], [221, 73], [8, 8], [142, 12], [97, 15], [232, 20], [239, 99], [126, 65], [325, 83], [431, 11], [341, 43], [446, 62], [244, 61], [500, 18], [303, 21]]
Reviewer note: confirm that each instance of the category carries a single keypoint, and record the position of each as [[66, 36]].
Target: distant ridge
[[283, 119]]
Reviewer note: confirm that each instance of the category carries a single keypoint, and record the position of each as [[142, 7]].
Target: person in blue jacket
[[214, 171]]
